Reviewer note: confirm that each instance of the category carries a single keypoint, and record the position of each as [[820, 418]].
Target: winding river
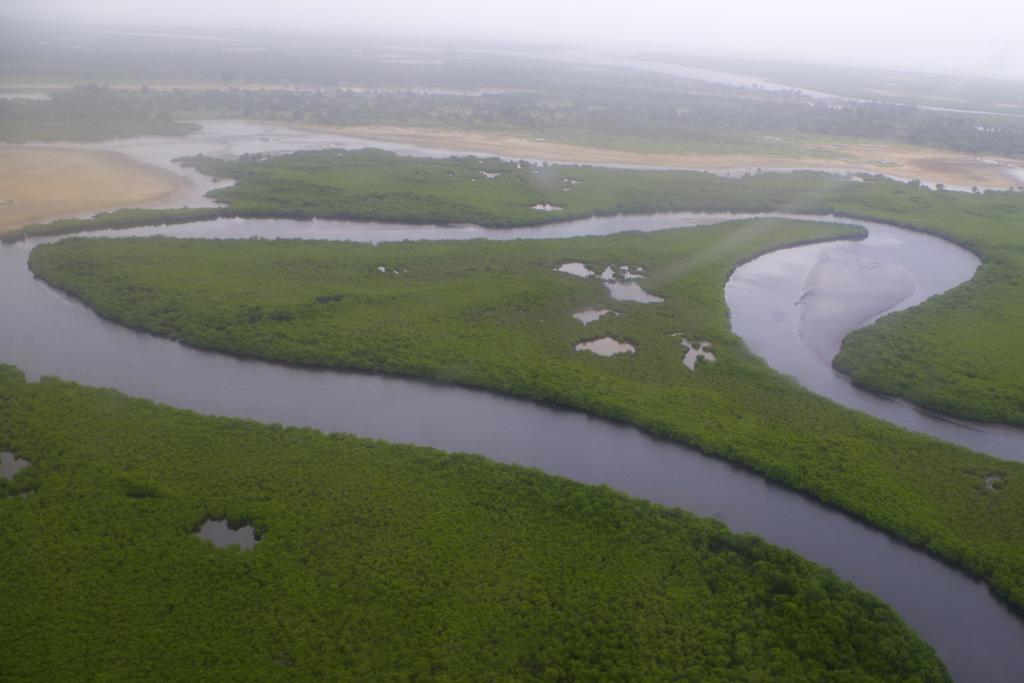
[[794, 306], [979, 639]]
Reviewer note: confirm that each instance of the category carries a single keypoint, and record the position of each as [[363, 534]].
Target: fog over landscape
[[981, 38]]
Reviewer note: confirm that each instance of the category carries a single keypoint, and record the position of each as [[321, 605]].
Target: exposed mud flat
[[766, 299], [842, 294]]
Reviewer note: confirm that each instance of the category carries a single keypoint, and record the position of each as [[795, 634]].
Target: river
[[979, 639]]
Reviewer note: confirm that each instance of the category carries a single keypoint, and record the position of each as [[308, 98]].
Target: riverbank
[[38, 183]]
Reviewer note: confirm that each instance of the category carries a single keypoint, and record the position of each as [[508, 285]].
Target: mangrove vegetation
[[382, 562]]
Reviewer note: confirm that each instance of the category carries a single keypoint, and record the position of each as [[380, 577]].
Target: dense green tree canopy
[[382, 562]]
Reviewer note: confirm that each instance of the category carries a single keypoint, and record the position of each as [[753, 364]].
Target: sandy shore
[[43, 183], [902, 161]]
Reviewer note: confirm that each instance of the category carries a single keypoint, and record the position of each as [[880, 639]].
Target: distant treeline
[[702, 119], [87, 113]]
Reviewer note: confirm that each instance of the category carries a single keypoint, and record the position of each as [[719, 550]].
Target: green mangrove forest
[[382, 562]]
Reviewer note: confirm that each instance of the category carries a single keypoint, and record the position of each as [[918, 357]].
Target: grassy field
[[497, 315], [382, 562]]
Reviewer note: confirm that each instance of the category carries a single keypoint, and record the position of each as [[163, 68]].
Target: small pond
[[10, 464], [575, 268], [220, 533], [696, 351], [631, 291], [606, 346], [610, 274], [590, 315]]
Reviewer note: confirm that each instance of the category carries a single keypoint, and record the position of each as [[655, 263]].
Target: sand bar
[[43, 183]]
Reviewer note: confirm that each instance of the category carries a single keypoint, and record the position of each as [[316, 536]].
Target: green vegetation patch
[[957, 354], [372, 184], [113, 220], [498, 315], [383, 562]]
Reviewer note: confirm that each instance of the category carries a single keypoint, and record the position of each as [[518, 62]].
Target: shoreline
[[900, 161], [43, 183]]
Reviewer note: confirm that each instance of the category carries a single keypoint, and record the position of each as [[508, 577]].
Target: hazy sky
[[982, 36]]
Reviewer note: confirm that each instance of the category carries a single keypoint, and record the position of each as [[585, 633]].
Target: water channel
[[45, 333]]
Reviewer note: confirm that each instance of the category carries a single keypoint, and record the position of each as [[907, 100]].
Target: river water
[[44, 332], [792, 312]]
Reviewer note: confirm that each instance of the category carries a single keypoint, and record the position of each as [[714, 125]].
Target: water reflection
[[10, 465], [591, 315], [606, 346], [631, 291], [220, 533]]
